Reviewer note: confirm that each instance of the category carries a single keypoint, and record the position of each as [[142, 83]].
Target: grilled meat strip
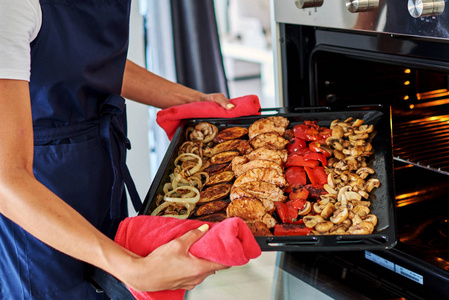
[[269, 124], [261, 174], [250, 209], [239, 169], [260, 190], [277, 156], [270, 140]]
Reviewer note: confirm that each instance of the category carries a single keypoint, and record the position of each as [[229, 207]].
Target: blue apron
[[80, 140]]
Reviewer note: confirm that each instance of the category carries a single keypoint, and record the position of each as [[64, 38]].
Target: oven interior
[[340, 69]]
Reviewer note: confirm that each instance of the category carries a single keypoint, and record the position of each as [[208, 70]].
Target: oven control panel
[[420, 18], [356, 6], [308, 3], [425, 8]]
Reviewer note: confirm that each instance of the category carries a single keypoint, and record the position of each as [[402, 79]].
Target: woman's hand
[[218, 98], [172, 266]]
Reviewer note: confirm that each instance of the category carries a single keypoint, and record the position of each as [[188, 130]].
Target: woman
[[62, 151]]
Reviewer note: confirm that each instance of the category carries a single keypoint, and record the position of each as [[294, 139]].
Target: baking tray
[[383, 205]]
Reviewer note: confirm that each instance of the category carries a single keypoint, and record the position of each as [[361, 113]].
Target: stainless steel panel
[[390, 16]]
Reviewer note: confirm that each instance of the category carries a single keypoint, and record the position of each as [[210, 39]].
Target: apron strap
[[112, 125]]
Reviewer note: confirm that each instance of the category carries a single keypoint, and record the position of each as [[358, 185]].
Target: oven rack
[[423, 143]]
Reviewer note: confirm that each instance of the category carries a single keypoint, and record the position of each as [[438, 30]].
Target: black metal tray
[[383, 205]]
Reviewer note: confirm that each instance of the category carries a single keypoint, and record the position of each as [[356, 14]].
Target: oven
[[360, 54]]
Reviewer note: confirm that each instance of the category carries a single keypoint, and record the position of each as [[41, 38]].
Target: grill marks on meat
[[277, 156], [269, 124], [250, 210], [260, 190], [269, 140], [239, 169], [261, 174]]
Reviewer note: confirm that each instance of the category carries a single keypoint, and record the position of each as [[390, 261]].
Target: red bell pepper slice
[[312, 123], [296, 144], [295, 160], [316, 156], [299, 193], [299, 131], [310, 174], [291, 229], [325, 133], [320, 175], [287, 213], [296, 176], [298, 204], [312, 135], [316, 147]]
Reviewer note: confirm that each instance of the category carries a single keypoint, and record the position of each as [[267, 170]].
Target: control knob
[[356, 6], [425, 8], [308, 3]]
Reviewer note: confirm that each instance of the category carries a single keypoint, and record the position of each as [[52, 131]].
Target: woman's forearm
[[148, 88]]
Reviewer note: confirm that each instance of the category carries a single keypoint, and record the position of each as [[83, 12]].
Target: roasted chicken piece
[[230, 133], [223, 157], [270, 140], [259, 228], [261, 174], [239, 169], [269, 124], [250, 209], [277, 156], [260, 190], [215, 192], [245, 147], [238, 193]]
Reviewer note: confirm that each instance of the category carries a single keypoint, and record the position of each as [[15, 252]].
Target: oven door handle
[[286, 110]]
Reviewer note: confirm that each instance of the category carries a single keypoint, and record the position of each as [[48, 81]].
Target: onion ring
[[165, 205], [192, 199]]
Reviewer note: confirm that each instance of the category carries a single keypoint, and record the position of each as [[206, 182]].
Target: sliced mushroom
[[371, 184], [364, 172], [337, 132], [324, 226], [361, 210], [357, 123], [339, 216], [371, 218], [361, 202], [311, 221], [364, 129], [360, 228], [329, 189], [338, 229], [306, 209], [361, 136], [317, 208], [356, 219], [327, 211]]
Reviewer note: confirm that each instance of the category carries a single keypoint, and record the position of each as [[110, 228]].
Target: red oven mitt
[[229, 243], [170, 118]]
